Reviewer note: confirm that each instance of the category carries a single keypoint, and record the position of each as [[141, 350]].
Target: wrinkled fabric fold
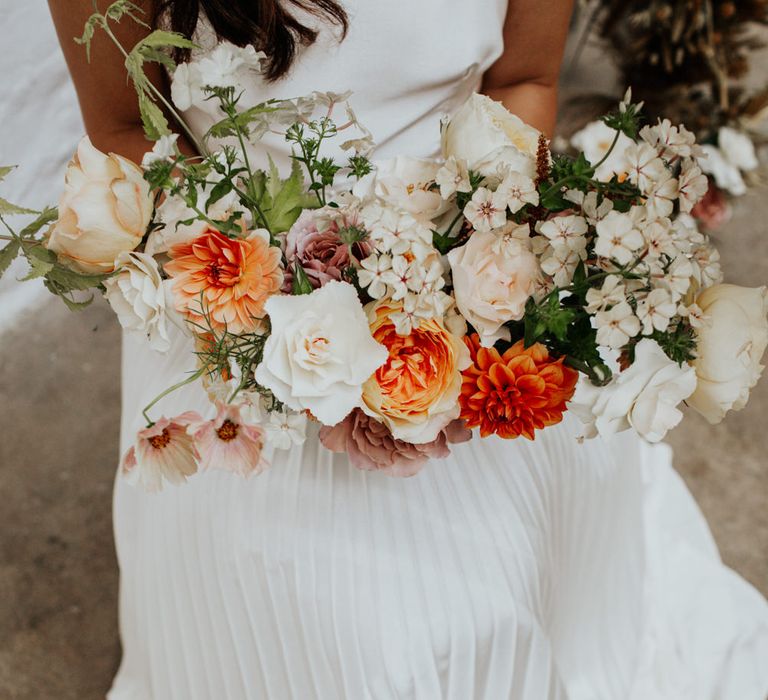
[[511, 569]]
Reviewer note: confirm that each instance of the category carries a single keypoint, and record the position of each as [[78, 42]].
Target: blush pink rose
[[314, 241], [371, 446], [492, 281]]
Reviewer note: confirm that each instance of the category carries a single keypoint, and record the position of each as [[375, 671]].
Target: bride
[[529, 571]]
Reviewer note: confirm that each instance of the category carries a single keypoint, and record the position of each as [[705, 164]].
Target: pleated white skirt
[[516, 570]]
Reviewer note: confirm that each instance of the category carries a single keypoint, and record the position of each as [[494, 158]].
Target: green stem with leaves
[[200, 147]]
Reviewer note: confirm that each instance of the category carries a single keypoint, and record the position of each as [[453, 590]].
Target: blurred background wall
[[59, 396]]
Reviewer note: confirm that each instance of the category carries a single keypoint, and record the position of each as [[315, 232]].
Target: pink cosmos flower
[[371, 446], [226, 442], [164, 451], [314, 242]]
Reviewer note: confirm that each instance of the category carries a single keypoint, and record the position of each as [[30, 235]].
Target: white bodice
[[407, 62]]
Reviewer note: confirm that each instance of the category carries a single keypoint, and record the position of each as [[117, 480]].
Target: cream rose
[[492, 282], [730, 348], [141, 299], [406, 183], [487, 136], [320, 351], [105, 210], [644, 396]]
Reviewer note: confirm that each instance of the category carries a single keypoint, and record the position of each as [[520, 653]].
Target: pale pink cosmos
[[163, 452], [227, 442]]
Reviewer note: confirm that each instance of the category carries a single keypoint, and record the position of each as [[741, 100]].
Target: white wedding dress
[[511, 570]]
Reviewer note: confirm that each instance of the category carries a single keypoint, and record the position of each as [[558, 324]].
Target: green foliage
[[240, 123], [8, 209], [300, 283], [8, 254], [678, 342], [115, 12], [281, 201]]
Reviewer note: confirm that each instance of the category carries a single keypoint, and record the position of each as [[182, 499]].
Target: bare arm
[[107, 101], [525, 77]]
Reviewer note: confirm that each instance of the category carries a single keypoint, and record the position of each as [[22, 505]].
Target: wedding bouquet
[[400, 304]]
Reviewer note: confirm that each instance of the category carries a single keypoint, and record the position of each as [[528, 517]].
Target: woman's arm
[[107, 100], [525, 78]]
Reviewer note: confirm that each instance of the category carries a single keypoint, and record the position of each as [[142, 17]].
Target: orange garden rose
[[231, 278], [415, 392], [516, 393]]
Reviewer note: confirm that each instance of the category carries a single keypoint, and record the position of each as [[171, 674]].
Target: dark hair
[[264, 23]]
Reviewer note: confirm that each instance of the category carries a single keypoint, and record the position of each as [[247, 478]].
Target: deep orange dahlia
[[516, 393], [228, 280]]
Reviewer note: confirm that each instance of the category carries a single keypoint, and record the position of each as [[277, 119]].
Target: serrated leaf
[[68, 280], [37, 268], [8, 255], [47, 216], [284, 199], [7, 208], [71, 304], [152, 118], [161, 38]]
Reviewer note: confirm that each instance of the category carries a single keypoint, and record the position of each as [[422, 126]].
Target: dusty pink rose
[[713, 210], [371, 447], [314, 241]]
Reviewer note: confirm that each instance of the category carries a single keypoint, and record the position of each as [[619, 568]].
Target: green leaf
[[284, 200], [164, 39], [69, 280], [8, 254], [37, 268], [72, 305], [300, 284], [47, 216], [6, 208], [5, 170], [220, 189], [152, 118]]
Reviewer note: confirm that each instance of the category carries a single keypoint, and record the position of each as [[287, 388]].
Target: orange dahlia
[[516, 393], [226, 279]]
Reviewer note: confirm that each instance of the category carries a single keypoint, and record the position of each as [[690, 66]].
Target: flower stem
[[191, 378], [200, 147]]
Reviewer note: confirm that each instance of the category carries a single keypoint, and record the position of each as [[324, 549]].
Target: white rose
[[644, 396], [486, 135], [105, 210], [727, 176], [141, 299], [730, 348], [406, 183], [737, 148], [320, 351], [492, 284]]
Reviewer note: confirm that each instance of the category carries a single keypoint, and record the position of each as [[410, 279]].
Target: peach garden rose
[[415, 392], [105, 210]]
